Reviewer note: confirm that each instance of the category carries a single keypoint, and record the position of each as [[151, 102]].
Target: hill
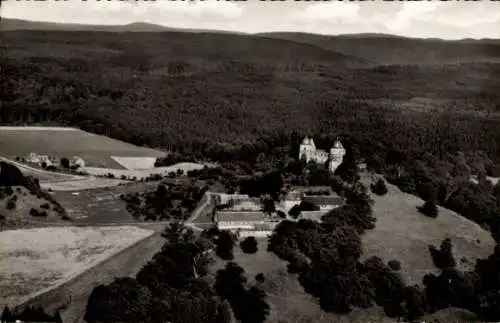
[[404, 234], [62, 142], [390, 49], [20, 24], [208, 93]]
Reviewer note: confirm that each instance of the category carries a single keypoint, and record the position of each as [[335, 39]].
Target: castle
[[309, 152]]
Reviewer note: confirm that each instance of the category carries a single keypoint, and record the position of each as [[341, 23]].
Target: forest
[[219, 96]]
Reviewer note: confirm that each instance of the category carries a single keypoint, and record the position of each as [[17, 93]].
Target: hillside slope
[[390, 49], [66, 142], [195, 91], [404, 234]]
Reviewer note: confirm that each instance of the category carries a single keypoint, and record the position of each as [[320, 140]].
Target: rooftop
[[230, 216], [323, 199]]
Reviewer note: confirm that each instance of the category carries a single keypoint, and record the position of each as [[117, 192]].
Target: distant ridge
[[7, 24]]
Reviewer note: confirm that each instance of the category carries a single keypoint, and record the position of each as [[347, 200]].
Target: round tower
[[337, 153]]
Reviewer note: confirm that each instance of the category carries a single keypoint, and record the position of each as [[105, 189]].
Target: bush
[[394, 265], [429, 208], [379, 187], [11, 204], [9, 190], [224, 245], [45, 206], [260, 277], [249, 245], [36, 213], [443, 257]]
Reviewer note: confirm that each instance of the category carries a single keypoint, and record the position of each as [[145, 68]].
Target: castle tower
[[307, 149], [337, 153]]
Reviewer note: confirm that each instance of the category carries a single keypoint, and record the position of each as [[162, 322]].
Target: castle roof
[[338, 144]]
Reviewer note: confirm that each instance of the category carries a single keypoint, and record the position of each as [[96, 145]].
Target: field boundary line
[[35, 298]]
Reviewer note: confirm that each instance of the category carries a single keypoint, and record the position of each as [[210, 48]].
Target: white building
[[324, 202], [34, 158], [75, 160], [309, 152], [246, 224]]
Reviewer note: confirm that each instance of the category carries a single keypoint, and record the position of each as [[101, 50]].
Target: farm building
[[76, 161], [245, 223], [260, 230], [34, 158], [325, 202]]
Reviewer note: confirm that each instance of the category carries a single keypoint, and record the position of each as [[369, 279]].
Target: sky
[[438, 19]]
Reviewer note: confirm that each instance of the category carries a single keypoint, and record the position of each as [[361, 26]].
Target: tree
[[224, 245], [429, 208], [249, 245], [255, 309], [65, 163], [443, 257], [379, 187], [295, 211], [6, 315], [268, 205]]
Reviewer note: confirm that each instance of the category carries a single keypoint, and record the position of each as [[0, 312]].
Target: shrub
[[379, 187], [224, 246], [34, 212], [260, 277], [9, 190], [443, 257], [394, 265], [45, 206], [11, 204], [249, 245], [429, 208]]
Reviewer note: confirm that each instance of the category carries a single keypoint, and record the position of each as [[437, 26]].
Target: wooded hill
[[215, 92]]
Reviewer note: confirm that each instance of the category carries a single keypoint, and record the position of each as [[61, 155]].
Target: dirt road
[[126, 263]]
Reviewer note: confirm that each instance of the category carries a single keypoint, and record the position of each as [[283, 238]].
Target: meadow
[[404, 234]]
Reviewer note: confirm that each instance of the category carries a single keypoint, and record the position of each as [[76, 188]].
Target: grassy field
[[95, 150], [286, 297], [404, 234], [36, 260]]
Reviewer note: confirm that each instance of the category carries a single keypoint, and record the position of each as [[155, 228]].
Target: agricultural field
[[100, 205], [403, 233], [36, 260], [60, 142], [85, 183]]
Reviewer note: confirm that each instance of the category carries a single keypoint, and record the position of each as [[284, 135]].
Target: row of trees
[[29, 314], [170, 288], [165, 202]]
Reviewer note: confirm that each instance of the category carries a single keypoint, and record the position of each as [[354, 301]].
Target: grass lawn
[[36, 260], [404, 234]]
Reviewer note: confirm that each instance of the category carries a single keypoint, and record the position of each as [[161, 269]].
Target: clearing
[[60, 142], [36, 260], [404, 234]]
